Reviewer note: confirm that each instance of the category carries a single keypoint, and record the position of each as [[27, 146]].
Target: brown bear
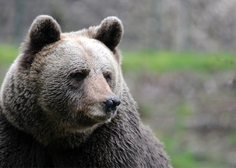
[[64, 103]]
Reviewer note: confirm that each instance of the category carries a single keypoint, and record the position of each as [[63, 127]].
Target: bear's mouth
[[91, 118], [102, 118]]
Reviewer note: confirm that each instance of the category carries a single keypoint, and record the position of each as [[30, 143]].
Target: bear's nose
[[111, 104]]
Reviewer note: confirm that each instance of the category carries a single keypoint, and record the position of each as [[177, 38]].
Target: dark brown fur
[[43, 31], [51, 112]]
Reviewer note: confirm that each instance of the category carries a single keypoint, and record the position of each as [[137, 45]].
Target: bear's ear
[[43, 31], [109, 32]]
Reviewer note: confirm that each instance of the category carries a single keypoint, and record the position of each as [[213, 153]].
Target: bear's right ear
[[109, 32], [43, 31]]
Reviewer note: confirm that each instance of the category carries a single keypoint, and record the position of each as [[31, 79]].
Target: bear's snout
[[111, 104]]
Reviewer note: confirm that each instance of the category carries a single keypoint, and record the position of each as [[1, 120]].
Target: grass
[[169, 61], [7, 53], [177, 148], [154, 60], [182, 157], [233, 138]]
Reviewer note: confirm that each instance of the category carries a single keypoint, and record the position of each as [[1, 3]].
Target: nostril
[[116, 101], [108, 103]]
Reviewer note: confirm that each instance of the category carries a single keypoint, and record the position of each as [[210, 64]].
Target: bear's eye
[[79, 76], [107, 76]]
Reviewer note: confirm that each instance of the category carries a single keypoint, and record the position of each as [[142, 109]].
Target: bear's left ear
[[109, 32], [43, 31]]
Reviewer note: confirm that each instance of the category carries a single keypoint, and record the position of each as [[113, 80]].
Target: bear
[[64, 103]]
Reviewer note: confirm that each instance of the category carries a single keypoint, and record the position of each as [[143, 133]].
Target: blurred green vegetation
[[185, 158], [160, 61], [7, 53], [169, 60], [154, 60], [180, 154]]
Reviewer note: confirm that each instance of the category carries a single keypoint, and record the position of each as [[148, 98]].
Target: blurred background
[[178, 61]]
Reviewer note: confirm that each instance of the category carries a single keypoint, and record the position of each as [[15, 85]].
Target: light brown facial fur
[[94, 61], [63, 80]]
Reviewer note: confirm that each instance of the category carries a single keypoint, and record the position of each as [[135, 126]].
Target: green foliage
[[145, 110], [168, 60], [233, 138], [182, 157], [154, 60], [184, 110], [7, 53]]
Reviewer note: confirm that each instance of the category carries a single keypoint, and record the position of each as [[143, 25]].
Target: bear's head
[[64, 84]]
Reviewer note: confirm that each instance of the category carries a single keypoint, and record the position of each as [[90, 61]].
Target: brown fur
[[52, 103]]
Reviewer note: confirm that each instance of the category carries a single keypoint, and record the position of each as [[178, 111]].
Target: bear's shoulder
[[18, 148]]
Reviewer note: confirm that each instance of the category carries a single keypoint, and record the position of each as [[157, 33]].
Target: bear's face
[[64, 83], [78, 77]]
